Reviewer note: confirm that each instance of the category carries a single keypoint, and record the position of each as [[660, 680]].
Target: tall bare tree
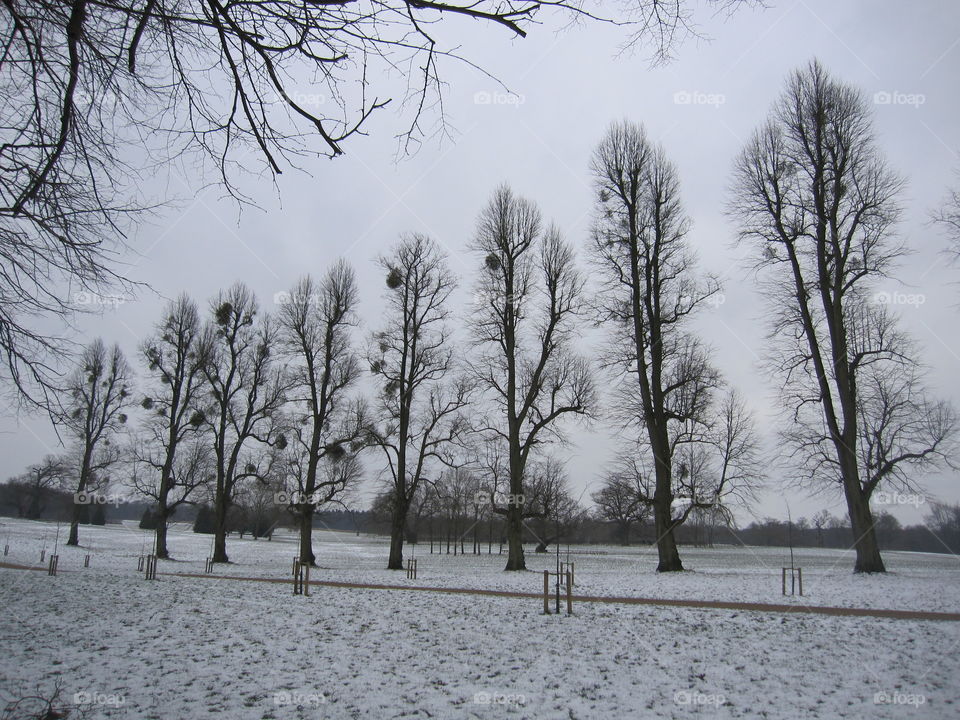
[[92, 412], [529, 297], [649, 291], [174, 412], [316, 322], [420, 398], [813, 192], [245, 387], [94, 96]]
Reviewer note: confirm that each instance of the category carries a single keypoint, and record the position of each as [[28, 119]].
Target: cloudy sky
[[561, 89]]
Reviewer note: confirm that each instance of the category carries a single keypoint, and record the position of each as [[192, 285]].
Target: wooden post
[[43, 555], [306, 582], [800, 579], [140, 564], [6, 550], [151, 568], [52, 568], [297, 586], [569, 592], [208, 568], [86, 561], [546, 592], [783, 580]]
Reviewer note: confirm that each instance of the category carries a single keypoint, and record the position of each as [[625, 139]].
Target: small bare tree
[[316, 322], [814, 194], [420, 399], [948, 218], [244, 387], [529, 296], [92, 412], [619, 501], [34, 484], [175, 364]]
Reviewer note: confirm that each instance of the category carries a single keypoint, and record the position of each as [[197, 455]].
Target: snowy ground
[[122, 647]]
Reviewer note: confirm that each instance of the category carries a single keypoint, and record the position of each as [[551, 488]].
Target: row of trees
[[245, 395]]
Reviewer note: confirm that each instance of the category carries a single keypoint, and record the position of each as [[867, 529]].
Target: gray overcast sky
[[569, 85]]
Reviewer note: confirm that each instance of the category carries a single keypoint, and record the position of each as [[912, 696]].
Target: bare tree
[[96, 95], [650, 289], [245, 387], [92, 412], [813, 192], [36, 483], [619, 501], [715, 460], [550, 500], [316, 321], [174, 362], [420, 399], [948, 218], [529, 297]]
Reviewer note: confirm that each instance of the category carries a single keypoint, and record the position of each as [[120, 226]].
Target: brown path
[[662, 602]]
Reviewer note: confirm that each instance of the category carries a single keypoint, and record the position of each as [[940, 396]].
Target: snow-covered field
[[180, 647]]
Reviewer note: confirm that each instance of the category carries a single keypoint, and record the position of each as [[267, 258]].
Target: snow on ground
[[123, 647], [916, 581]]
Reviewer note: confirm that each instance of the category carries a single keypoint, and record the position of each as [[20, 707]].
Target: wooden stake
[[546, 592], [569, 592]]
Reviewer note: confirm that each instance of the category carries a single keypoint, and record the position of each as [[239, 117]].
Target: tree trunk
[[220, 533], [306, 537], [398, 521], [864, 534], [74, 538], [666, 543], [515, 559], [160, 548]]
